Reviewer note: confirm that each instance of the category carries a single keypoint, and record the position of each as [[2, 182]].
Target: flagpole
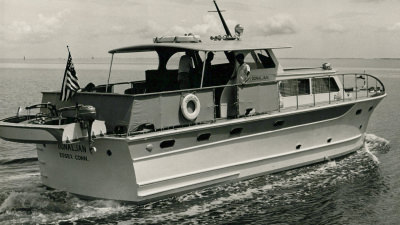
[[109, 73], [70, 83], [65, 74]]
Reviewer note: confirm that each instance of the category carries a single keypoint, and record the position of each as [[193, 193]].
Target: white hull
[[125, 168]]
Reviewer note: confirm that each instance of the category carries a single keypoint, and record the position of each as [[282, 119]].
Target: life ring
[[192, 114]]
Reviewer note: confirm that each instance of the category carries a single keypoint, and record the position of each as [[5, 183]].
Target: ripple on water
[[43, 206]]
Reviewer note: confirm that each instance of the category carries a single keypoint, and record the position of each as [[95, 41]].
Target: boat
[[51, 126], [156, 139]]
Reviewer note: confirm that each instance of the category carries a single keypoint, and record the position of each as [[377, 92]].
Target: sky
[[314, 28]]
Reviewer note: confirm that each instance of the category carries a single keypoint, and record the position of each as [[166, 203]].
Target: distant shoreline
[[108, 58]]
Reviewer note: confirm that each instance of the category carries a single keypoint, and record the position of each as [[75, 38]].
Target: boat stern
[[107, 173]]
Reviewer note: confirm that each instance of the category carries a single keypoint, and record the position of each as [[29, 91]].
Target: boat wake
[[18, 161], [293, 195], [38, 205], [377, 144]]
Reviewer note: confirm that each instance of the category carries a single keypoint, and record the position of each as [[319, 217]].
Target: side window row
[[202, 137], [302, 86]]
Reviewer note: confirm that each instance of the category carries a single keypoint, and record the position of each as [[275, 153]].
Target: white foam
[[376, 143], [332, 163], [200, 208], [373, 137], [39, 202], [373, 157], [23, 200], [98, 208]]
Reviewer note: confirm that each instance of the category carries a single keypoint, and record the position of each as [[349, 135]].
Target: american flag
[[70, 83]]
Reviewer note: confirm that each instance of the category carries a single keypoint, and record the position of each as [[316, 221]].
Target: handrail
[[354, 74], [319, 93], [113, 84], [261, 83], [207, 88], [300, 102], [49, 106], [355, 89]]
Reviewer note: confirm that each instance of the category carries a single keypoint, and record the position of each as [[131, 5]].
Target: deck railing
[[351, 87], [348, 87]]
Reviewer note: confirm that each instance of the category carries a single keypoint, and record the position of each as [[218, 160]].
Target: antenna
[[228, 33]]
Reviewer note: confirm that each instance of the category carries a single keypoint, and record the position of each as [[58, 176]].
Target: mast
[[228, 33]]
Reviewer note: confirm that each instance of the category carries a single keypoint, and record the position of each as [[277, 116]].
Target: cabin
[[158, 102]]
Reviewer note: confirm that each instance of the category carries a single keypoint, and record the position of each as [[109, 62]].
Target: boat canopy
[[214, 46]]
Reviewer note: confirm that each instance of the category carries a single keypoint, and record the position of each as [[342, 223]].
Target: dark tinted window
[[236, 131], [259, 59], [324, 85], [294, 87], [266, 59], [203, 137], [167, 143]]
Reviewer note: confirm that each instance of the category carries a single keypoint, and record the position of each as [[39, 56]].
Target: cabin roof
[[214, 46]]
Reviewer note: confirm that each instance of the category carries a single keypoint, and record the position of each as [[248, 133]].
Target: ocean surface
[[362, 188]]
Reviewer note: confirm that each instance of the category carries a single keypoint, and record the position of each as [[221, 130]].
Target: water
[[362, 188]]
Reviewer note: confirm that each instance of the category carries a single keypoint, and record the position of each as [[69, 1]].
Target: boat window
[[172, 66], [236, 131], [219, 58], [278, 123], [294, 87], [324, 85], [132, 67], [127, 68], [252, 60], [261, 59], [173, 62], [203, 137], [167, 143], [219, 70]]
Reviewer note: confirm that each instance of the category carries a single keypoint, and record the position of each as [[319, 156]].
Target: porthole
[[298, 147], [203, 137], [329, 140], [109, 153], [279, 123], [236, 131], [358, 112], [167, 144], [370, 108], [361, 127]]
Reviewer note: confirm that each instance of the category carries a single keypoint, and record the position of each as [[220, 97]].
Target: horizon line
[[93, 58]]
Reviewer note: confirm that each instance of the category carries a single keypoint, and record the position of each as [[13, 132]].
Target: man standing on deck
[[185, 67], [241, 72], [208, 70]]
